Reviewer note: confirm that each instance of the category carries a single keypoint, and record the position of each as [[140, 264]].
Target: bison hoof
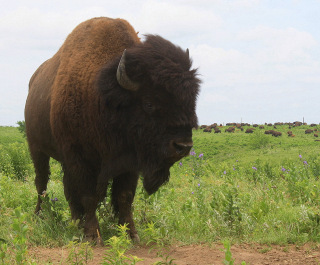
[[94, 239], [135, 238], [100, 241]]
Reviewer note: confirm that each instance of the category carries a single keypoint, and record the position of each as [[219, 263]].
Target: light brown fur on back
[[84, 52]]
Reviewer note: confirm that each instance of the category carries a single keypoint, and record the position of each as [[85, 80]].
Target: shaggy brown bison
[[269, 132], [276, 134], [230, 129], [249, 130], [110, 107]]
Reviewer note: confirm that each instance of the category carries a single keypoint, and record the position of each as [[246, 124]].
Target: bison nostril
[[182, 148]]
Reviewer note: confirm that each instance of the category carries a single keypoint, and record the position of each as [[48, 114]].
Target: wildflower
[[199, 185], [254, 168], [192, 153], [55, 199], [234, 168], [201, 155], [283, 169], [300, 156], [305, 162], [224, 172], [180, 164], [237, 160], [192, 192]]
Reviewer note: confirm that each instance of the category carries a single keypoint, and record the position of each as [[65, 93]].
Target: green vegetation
[[234, 187]]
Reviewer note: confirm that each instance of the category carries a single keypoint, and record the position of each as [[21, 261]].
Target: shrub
[[15, 161], [22, 127]]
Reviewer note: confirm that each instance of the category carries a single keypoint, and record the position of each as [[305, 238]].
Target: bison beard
[[110, 107], [153, 179]]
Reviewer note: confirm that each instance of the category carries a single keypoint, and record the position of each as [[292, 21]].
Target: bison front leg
[[80, 191], [123, 192], [91, 225]]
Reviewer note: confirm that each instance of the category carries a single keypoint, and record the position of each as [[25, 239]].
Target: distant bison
[[109, 107], [207, 129], [276, 134], [308, 131], [269, 131], [249, 130], [230, 129]]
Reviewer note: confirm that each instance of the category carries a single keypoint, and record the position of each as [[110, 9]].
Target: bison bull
[[109, 108]]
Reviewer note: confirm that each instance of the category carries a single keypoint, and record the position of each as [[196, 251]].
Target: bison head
[[151, 99]]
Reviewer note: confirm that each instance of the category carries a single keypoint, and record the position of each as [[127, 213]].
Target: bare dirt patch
[[197, 254]]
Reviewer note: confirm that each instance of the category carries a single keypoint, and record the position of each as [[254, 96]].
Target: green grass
[[245, 188], [10, 135]]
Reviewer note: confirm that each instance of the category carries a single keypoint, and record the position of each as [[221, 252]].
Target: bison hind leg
[[42, 170]]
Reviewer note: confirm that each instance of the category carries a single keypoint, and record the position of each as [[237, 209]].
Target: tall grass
[[238, 187]]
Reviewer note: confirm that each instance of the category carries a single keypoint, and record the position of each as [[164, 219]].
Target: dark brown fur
[[249, 130], [230, 129], [78, 113], [276, 134]]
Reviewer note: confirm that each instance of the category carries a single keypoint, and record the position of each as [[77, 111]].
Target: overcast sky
[[259, 59]]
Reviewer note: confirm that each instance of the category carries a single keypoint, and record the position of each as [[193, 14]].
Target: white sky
[[259, 59]]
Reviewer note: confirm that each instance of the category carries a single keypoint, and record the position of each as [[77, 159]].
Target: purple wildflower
[[199, 185], [55, 199], [192, 153], [254, 168], [305, 162], [300, 156], [180, 164], [234, 168], [283, 169], [201, 155], [192, 192], [224, 172]]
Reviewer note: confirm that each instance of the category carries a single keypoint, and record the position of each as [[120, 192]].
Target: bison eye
[[148, 106]]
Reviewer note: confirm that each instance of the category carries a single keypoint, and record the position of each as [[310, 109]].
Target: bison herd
[[232, 127]]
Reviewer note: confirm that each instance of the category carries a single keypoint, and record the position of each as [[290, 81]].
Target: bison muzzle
[[110, 108]]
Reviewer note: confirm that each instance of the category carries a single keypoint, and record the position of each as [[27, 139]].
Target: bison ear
[[122, 76]]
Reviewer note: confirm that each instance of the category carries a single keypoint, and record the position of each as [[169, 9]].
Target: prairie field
[[234, 188]]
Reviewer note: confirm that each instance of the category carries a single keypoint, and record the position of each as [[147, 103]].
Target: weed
[[20, 229], [167, 261], [118, 245], [197, 164], [228, 260], [79, 253]]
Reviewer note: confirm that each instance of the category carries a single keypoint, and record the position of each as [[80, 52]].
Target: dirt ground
[[197, 254]]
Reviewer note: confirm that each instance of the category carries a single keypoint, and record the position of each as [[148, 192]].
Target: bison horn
[[187, 52], [122, 76]]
